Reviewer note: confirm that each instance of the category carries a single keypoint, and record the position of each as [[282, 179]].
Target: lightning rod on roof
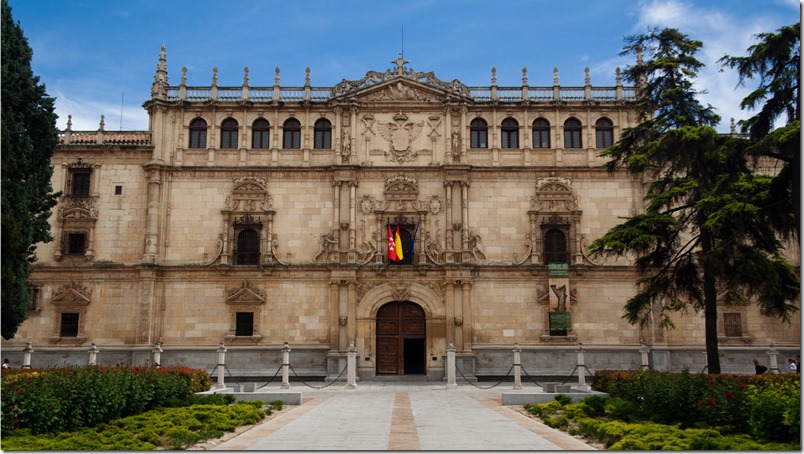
[[403, 41]]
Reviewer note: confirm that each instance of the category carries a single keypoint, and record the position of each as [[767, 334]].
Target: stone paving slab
[[380, 416]]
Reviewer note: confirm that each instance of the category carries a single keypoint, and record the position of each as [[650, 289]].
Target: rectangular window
[[733, 325], [244, 324], [76, 243], [604, 138], [69, 325], [478, 139], [323, 139], [80, 184], [572, 139], [118, 190], [510, 139], [259, 139], [541, 139]]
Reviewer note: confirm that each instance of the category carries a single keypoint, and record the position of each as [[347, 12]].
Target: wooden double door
[[401, 339]]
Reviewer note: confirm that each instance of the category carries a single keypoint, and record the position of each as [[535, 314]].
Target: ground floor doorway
[[401, 346]]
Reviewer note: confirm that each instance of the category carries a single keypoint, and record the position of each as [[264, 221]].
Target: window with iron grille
[[229, 133], [79, 182], [732, 325], [69, 324], [248, 248], [323, 134], [244, 324], [555, 247], [260, 130], [291, 137], [76, 243], [478, 133]]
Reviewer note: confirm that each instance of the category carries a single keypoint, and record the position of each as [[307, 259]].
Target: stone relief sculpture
[[326, 244], [475, 247], [400, 133]]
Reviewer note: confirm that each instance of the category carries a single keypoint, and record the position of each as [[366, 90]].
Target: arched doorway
[[401, 339]]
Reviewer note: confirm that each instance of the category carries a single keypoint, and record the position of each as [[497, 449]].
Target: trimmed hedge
[[57, 399], [766, 406]]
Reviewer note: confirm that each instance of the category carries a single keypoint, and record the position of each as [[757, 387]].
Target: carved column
[[334, 317], [336, 217], [449, 296], [352, 140], [269, 243], [450, 247], [466, 255], [351, 295], [353, 221], [153, 176], [466, 327], [338, 134], [534, 238]]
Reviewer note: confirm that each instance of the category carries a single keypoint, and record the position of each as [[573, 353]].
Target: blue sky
[[98, 57]]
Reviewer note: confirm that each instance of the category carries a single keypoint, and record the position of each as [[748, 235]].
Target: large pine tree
[[704, 238], [29, 139]]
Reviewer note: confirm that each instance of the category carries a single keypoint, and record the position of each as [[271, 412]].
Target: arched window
[[510, 133], [572, 133], [292, 134], [260, 131], [198, 133], [478, 133], [604, 133], [323, 134], [248, 248], [555, 246], [541, 133], [229, 133]]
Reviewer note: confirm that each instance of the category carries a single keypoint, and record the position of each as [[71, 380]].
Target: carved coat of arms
[[400, 133]]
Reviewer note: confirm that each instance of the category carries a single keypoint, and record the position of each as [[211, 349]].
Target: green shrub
[[775, 411], [56, 399], [563, 399]]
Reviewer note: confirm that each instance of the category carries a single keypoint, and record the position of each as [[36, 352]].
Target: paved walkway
[[379, 416]]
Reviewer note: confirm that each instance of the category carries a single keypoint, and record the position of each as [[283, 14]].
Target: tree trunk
[[710, 309]]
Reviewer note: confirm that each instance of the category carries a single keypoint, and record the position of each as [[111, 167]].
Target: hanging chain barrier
[[528, 375], [278, 369], [486, 387], [572, 374], [318, 387]]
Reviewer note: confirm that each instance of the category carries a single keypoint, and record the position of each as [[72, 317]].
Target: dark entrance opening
[[414, 356], [401, 346]]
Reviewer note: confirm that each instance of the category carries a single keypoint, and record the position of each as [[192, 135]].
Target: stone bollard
[[773, 359], [285, 366], [451, 367], [644, 350], [26, 355], [351, 365], [157, 351], [517, 367], [581, 368], [221, 365], [93, 354]]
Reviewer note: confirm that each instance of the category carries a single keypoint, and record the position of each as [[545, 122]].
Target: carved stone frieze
[[245, 294], [400, 134]]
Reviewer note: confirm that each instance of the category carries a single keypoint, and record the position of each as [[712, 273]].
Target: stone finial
[[493, 75], [102, 124], [276, 76], [555, 75], [69, 122], [524, 75], [617, 78], [639, 55], [400, 62], [307, 76], [159, 87], [245, 76], [732, 127], [184, 75], [586, 79], [215, 76]]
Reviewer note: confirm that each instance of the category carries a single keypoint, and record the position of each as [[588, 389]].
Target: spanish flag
[[398, 246], [391, 246]]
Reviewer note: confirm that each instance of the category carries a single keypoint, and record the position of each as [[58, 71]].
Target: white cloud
[[86, 114]]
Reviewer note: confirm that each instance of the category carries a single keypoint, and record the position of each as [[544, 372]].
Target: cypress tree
[[29, 139]]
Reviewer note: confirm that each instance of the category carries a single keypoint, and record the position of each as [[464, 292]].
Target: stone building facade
[[255, 216]]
